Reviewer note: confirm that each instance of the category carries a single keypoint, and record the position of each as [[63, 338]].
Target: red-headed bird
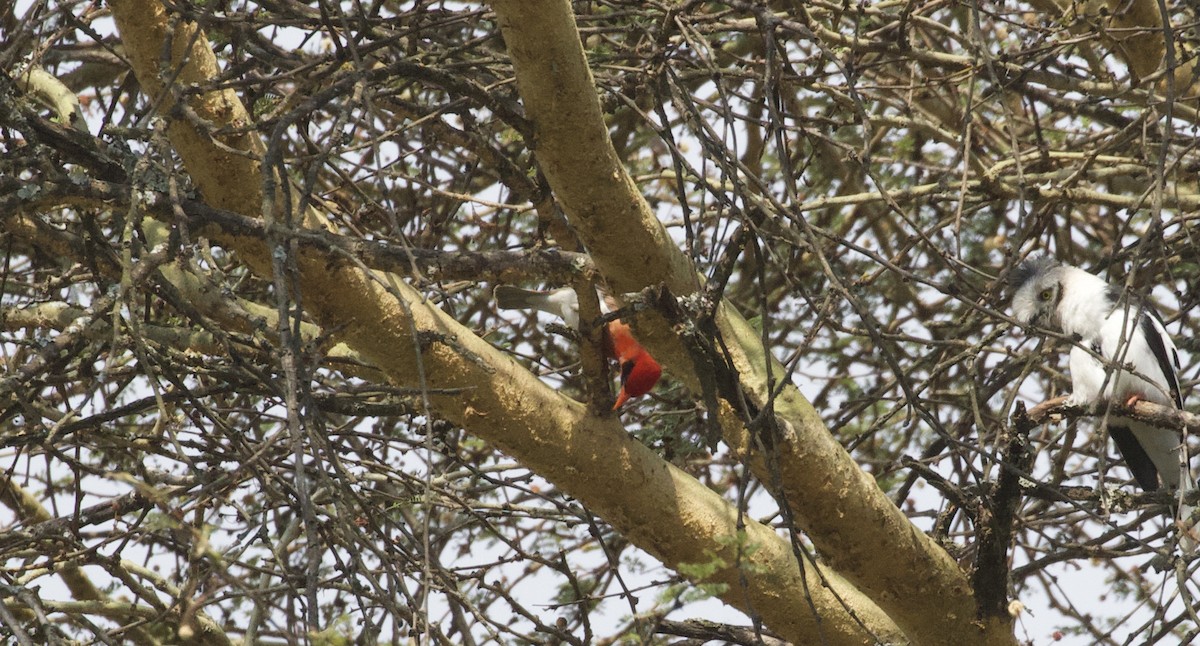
[[639, 370]]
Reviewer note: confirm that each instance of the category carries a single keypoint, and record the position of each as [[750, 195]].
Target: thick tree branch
[[1134, 31], [996, 523], [859, 531]]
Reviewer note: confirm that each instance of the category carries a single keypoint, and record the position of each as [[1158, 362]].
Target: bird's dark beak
[[1027, 327]]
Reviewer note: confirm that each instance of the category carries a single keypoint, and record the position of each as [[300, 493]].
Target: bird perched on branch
[[639, 370], [1122, 354]]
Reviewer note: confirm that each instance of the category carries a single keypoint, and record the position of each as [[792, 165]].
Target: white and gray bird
[[1122, 353], [561, 302]]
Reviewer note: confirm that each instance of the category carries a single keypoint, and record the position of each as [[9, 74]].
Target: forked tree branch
[[841, 508], [657, 506]]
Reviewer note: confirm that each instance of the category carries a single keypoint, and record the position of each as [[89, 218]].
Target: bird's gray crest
[[1030, 268]]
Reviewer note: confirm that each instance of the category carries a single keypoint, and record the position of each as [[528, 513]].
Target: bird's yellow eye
[[1045, 295]]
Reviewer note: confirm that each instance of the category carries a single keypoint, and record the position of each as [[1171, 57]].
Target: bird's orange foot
[[1133, 400]]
